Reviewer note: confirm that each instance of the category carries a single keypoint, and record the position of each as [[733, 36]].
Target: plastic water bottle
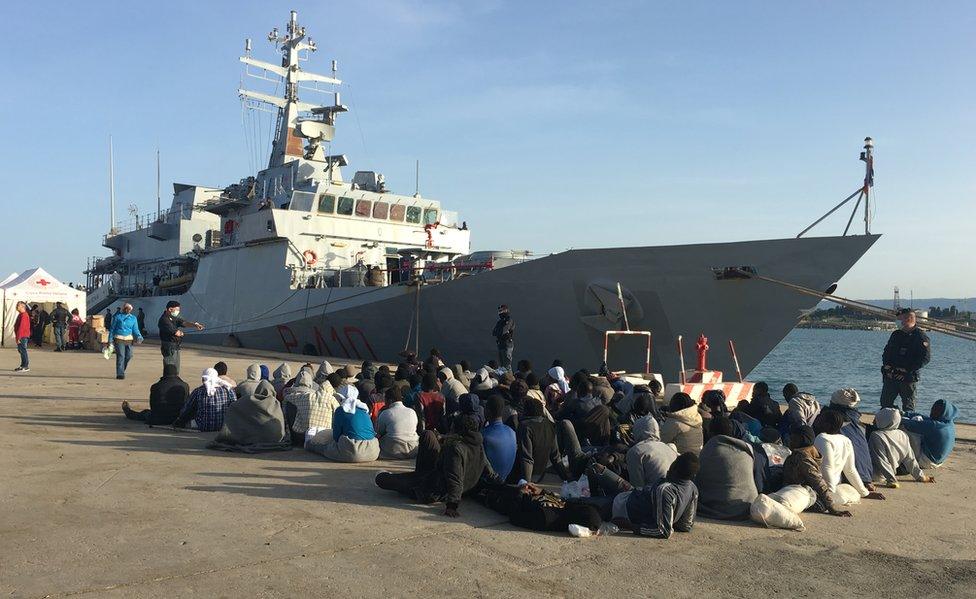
[[607, 528], [579, 531]]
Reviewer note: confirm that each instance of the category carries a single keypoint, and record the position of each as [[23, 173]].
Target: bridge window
[[363, 207], [413, 214], [397, 212], [430, 216], [326, 204], [381, 210], [345, 207]]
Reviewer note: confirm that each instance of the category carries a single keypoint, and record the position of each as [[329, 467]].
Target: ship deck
[[96, 505]]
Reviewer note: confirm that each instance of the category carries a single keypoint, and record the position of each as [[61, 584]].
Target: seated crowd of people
[[631, 457]]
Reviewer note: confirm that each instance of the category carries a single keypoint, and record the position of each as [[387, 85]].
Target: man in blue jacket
[[124, 333]]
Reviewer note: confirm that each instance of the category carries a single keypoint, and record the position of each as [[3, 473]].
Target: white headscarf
[[847, 397], [558, 375], [212, 380], [350, 399]]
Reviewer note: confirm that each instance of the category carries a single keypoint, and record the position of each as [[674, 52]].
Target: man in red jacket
[[22, 331]]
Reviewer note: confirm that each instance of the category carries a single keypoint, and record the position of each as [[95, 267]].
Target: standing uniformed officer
[[504, 333], [905, 354]]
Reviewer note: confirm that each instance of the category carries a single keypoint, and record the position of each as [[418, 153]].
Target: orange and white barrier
[[701, 381]]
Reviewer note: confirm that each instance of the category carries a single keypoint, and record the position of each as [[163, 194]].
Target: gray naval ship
[[297, 258]]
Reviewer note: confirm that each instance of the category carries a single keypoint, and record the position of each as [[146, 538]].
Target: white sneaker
[[23, 369]]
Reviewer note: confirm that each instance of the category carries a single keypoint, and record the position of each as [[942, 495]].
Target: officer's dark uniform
[[904, 355]]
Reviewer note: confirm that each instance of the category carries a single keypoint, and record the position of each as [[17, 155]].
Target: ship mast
[[292, 129]]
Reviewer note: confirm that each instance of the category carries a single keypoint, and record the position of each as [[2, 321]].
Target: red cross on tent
[[43, 282]]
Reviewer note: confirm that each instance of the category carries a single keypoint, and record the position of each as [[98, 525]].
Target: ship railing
[[141, 221], [359, 275]]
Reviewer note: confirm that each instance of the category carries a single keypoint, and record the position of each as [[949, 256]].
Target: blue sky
[[547, 125]]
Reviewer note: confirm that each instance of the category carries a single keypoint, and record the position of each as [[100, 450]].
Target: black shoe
[[121, 377]]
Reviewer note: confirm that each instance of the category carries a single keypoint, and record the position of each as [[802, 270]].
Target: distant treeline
[[844, 313]]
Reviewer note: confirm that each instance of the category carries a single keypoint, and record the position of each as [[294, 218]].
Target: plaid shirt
[[207, 411], [313, 407]]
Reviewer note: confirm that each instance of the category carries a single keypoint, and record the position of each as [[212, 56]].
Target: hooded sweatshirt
[[726, 487], [891, 448], [662, 507], [452, 389], [649, 459], [252, 376], [462, 464], [838, 462], [254, 419], [938, 435], [282, 375], [802, 409], [684, 429]]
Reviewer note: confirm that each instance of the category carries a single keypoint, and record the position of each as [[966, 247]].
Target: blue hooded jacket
[[938, 435]]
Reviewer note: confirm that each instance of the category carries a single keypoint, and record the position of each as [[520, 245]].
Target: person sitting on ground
[[803, 467], [648, 459], [577, 407], [308, 406], [891, 449], [446, 469], [726, 485], [352, 438], [401, 378], [556, 389], [252, 377], [536, 446], [499, 439], [411, 393], [845, 401], [535, 392], [431, 402], [207, 404], [932, 436], [451, 389], [523, 369], [661, 507], [166, 399], [837, 465], [764, 408], [682, 424], [645, 394], [377, 400], [366, 379], [254, 423], [282, 374], [323, 372], [396, 427], [461, 377], [789, 390], [750, 426], [434, 359], [221, 368], [802, 410]]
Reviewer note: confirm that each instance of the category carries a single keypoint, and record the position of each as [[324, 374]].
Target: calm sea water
[[820, 361]]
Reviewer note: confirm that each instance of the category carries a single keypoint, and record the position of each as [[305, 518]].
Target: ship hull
[[560, 304]]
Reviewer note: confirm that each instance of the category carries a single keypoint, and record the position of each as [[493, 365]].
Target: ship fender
[[310, 257]]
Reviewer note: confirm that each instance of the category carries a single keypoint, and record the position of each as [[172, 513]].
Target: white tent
[[36, 286], [8, 278]]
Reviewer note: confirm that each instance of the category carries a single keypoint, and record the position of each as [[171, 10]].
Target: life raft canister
[[310, 257]]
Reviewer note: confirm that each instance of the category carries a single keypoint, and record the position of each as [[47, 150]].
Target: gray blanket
[[254, 423], [726, 487]]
